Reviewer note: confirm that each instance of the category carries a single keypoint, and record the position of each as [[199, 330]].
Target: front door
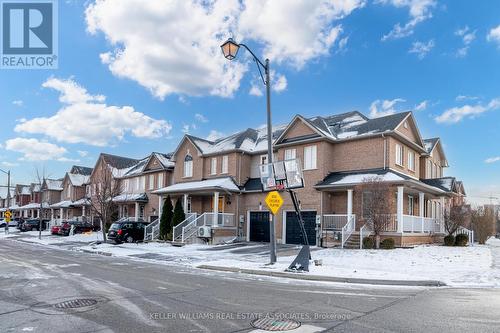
[[294, 231], [259, 227]]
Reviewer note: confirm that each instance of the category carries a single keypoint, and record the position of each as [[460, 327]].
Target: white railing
[[364, 231], [177, 230], [465, 231], [334, 221], [421, 224], [215, 220], [152, 230], [348, 229]]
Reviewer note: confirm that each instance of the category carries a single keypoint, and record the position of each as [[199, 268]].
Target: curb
[[302, 276], [97, 252]]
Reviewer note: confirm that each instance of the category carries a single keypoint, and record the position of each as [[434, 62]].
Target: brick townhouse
[[219, 181]]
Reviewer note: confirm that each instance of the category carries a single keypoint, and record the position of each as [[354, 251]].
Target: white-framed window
[[429, 169], [151, 182], [310, 157], [263, 160], [399, 154], [225, 164], [137, 183], [188, 166], [434, 170], [213, 166], [160, 180], [290, 154], [411, 204], [411, 161]]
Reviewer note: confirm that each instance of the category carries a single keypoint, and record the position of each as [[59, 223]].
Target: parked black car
[[79, 227], [33, 224], [127, 231]]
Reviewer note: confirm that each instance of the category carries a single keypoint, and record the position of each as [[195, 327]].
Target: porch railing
[[216, 220], [420, 224], [364, 231], [152, 230], [334, 221], [177, 230], [348, 229], [465, 231]]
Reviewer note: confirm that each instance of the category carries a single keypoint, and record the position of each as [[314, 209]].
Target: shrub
[[368, 242], [387, 244], [461, 240], [449, 240]]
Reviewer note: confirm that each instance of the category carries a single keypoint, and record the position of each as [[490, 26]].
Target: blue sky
[[133, 79]]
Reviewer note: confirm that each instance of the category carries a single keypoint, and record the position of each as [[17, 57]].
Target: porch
[[69, 210], [207, 203]]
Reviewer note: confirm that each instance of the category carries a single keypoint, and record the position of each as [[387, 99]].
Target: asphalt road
[[134, 296]]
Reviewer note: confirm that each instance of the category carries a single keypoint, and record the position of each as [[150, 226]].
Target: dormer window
[[188, 166]]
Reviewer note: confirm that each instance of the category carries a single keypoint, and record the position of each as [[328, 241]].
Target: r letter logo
[[29, 34]]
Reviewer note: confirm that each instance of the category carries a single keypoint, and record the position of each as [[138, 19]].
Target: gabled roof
[[80, 170], [77, 179], [35, 187], [52, 184], [433, 143], [140, 167], [447, 184], [119, 162], [23, 189]]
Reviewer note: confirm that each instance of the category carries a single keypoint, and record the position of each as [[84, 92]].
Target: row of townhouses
[[218, 182]]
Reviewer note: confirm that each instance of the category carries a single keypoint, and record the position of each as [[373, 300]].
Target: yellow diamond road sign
[[274, 201], [8, 215]]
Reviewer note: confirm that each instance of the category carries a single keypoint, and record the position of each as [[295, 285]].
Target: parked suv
[[33, 224], [127, 231]]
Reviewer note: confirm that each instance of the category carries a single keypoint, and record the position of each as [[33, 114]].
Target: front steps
[[353, 241]]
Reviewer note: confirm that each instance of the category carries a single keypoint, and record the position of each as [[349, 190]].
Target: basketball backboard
[[282, 175]]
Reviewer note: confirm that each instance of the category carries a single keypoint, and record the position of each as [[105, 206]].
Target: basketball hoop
[[281, 175]]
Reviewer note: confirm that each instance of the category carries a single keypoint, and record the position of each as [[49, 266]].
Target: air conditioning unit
[[204, 232]]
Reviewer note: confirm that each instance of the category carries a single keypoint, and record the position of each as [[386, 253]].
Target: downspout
[[385, 150], [238, 230]]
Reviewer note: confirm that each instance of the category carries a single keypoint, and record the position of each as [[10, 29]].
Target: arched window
[[188, 166]]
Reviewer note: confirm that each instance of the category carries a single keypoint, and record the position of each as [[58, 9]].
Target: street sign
[[274, 201], [8, 215]]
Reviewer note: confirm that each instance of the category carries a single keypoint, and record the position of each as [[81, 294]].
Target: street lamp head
[[230, 49]]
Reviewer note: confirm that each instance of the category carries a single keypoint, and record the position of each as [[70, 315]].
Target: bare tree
[[456, 217], [483, 223], [377, 204], [105, 189]]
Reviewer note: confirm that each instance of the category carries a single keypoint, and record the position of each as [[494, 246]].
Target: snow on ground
[[49, 239], [456, 266]]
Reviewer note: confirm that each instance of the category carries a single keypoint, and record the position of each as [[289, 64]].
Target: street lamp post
[[8, 197], [230, 50]]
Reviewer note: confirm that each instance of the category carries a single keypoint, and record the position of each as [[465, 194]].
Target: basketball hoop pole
[[272, 234]]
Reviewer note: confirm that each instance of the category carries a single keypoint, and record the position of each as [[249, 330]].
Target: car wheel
[[130, 239]]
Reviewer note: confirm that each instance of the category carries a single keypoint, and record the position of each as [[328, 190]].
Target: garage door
[[294, 232], [259, 226]]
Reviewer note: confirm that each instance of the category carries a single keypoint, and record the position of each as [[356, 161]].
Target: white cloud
[[279, 83], [201, 118], [494, 35], [468, 37], [343, 44], [82, 153], [492, 159], [173, 47], [35, 150], [18, 103], [380, 108], [465, 97], [421, 49], [419, 11], [9, 164], [255, 90], [185, 129], [422, 106], [214, 135], [456, 114], [86, 119]]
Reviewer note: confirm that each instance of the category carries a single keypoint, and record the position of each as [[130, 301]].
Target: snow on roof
[[360, 177], [128, 197], [54, 184], [429, 144], [165, 159], [81, 202], [24, 190], [34, 205], [62, 204], [78, 179], [225, 183]]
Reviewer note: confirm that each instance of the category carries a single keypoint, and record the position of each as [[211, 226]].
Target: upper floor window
[[225, 164], [399, 154], [263, 161], [434, 170], [151, 182], [290, 154], [160, 180], [411, 161], [428, 171], [188, 166], [310, 157], [411, 205], [213, 166]]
